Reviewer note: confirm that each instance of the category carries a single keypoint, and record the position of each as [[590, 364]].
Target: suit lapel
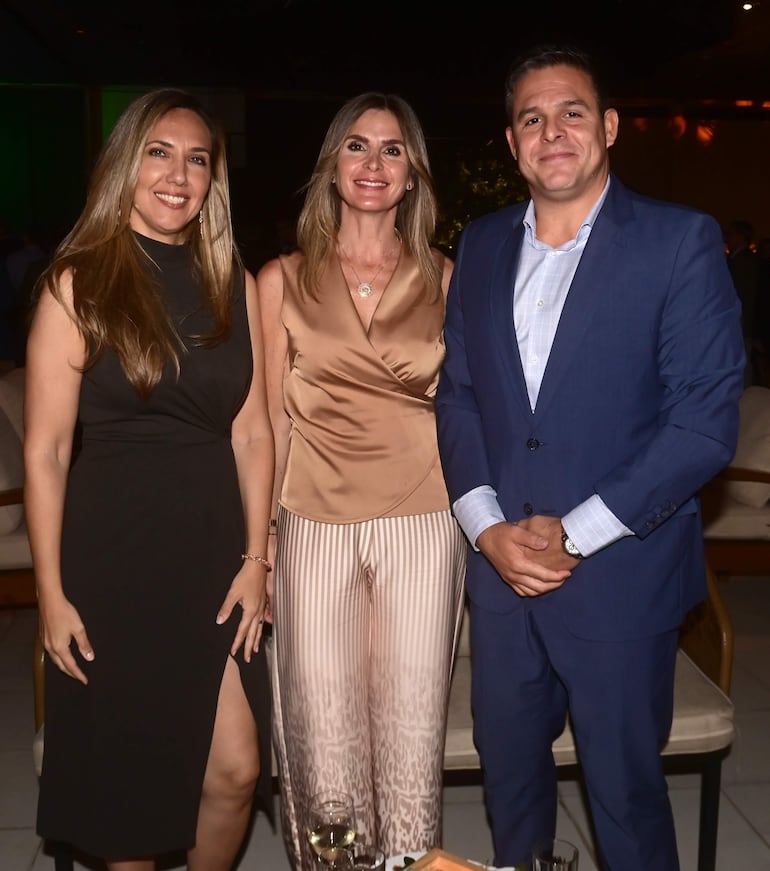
[[503, 273], [592, 281]]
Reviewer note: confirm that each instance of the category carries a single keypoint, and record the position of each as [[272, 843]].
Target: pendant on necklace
[[365, 289]]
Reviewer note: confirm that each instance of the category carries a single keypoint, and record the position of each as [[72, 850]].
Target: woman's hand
[[60, 625], [249, 590]]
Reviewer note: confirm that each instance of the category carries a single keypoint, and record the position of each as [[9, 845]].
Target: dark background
[[277, 70], [448, 50]]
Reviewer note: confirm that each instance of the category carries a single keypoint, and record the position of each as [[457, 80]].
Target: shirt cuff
[[592, 526], [476, 511]]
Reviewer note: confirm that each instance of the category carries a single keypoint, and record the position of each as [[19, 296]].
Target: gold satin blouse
[[363, 436]]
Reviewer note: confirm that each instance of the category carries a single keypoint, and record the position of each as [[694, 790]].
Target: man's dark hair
[[549, 55]]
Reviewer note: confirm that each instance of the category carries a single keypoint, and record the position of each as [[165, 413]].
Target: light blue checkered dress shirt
[[542, 283]]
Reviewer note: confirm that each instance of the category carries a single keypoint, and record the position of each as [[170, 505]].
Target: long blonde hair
[[116, 303], [319, 219]]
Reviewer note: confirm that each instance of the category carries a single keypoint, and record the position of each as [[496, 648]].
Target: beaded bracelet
[[257, 559]]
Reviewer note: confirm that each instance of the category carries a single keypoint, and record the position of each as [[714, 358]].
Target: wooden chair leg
[[711, 777]]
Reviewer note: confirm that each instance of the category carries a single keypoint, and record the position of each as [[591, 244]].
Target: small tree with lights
[[471, 180]]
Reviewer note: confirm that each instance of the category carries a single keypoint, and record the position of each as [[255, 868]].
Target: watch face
[[569, 546]]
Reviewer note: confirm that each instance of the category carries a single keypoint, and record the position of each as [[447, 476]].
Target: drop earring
[[200, 221]]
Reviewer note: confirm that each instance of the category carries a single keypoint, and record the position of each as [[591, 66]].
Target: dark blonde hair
[[319, 219], [116, 303]]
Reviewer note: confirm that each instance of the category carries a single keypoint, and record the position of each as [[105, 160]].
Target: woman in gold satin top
[[369, 562]]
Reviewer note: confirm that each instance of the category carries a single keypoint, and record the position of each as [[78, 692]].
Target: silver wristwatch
[[569, 546]]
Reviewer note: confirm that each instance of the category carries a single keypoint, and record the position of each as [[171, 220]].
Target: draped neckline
[[349, 293]]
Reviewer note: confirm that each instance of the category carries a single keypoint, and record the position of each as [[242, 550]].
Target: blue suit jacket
[[639, 403]]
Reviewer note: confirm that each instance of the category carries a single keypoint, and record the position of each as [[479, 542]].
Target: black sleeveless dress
[[152, 537]]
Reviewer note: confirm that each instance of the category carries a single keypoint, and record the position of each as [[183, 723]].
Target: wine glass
[[331, 828], [367, 857], [555, 855]]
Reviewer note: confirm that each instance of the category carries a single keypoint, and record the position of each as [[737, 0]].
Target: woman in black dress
[[149, 540]]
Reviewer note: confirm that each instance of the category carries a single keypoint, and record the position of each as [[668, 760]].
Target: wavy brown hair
[[319, 219], [116, 302]]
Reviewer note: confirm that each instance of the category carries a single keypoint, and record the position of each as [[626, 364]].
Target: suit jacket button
[[528, 509], [533, 444]]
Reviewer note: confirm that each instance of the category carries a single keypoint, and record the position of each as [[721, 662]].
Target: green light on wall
[[42, 148], [114, 102]]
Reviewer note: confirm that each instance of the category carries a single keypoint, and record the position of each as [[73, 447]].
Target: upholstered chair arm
[[12, 497], [740, 473]]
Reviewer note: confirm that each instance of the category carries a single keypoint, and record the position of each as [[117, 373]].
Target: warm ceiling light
[[678, 126], [747, 7], [704, 133]]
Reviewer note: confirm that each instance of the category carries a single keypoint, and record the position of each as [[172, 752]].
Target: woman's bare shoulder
[[272, 271], [446, 265]]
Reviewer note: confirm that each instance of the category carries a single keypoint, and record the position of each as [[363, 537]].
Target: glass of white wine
[[331, 828]]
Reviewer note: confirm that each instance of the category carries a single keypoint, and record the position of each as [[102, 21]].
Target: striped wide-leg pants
[[366, 621]]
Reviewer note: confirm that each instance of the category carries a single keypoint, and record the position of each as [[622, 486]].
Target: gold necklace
[[366, 288]]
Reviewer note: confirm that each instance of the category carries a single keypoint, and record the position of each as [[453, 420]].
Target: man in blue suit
[[593, 369]]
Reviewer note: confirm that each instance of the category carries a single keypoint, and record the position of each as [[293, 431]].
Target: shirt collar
[[530, 223]]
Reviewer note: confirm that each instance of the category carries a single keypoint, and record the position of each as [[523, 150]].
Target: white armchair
[[736, 503], [17, 580]]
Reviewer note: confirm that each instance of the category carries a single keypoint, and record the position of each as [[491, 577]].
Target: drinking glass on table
[[555, 855], [367, 857], [331, 828]]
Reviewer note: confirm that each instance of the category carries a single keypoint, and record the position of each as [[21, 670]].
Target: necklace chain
[[366, 288]]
